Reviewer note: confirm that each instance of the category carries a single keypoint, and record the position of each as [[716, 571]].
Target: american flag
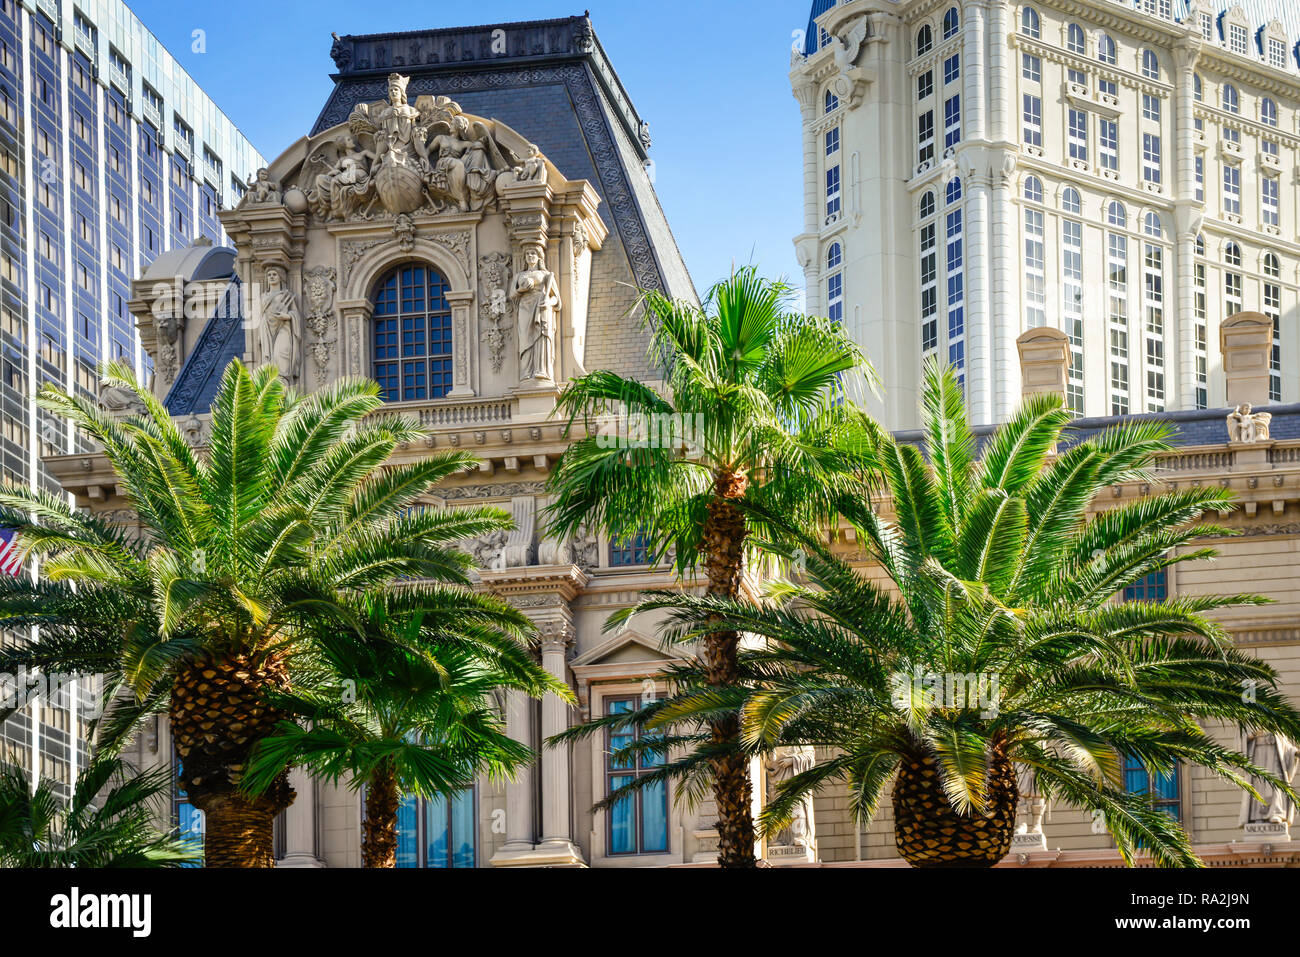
[[11, 562]]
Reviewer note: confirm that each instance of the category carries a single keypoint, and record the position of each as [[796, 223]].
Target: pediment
[[622, 648]]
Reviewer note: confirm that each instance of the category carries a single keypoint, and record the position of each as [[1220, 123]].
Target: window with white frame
[[832, 141], [835, 297], [1072, 307], [925, 85], [1230, 99], [1234, 284], [952, 69], [1207, 26], [1270, 211], [1270, 148], [1238, 38], [1273, 309], [951, 23], [1200, 299], [1117, 311], [1031, 68], [832, 102], [1198, 172], [925, 137], [1033, 110], [1150, 65], [929, 281], [833, 193], [1198, 122], [1268, 111], [1074, 41], [1151, 107], [924, 40], [1153, 302], [1077, 136], [952, 122], [1277, 53], [1108, 144], [1151, 159], [1106, 50], [1070, 201], [1035, 260], [1030, 24], [1231, 189], [956, 261]]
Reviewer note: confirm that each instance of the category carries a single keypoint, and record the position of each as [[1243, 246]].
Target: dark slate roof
[[1191, 428], [554, 85], [810, 38], [221, 340]]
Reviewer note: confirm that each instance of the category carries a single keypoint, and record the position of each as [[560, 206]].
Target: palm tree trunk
[[379, 837], [238, 831], [723, 546]]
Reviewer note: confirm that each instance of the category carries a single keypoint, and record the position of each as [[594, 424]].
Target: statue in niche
[[1248, 426], [784, 764], [1279, 757], [262, 190], [346, 183], [537, 297], [281, 326]]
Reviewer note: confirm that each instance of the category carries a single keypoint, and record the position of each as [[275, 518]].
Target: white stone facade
[[1127, 174]]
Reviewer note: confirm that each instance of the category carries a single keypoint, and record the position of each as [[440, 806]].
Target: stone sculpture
[[281, 326], [1248, 426], [536, 295]]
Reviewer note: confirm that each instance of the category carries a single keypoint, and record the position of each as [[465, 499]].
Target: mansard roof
[[549, 80]]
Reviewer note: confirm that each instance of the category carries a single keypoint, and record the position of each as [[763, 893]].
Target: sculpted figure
[[1278, 757], [118, 400], [785, 764], [262, 189], [537, 297], [399, 160], [1245, 425], [281, 326], [463, 172], [345, 185]]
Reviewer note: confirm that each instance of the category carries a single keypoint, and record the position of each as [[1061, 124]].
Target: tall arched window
[[1030, 25], [1231, 99], [834, 256], [1232, 254], [927, 205], [1115, 214], [1268, 111], [1152, 226], [1150, 65], [951, 23], [924, 40], [953, 192], [1074, 38], [832, 102], [1198, 88], [412, 323], [1106, 51], [1070, 201], [1034, 189]]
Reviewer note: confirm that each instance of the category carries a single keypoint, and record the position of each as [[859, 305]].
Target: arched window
[[1232, 254], [953, 192], [1106, 51], [927, 205], [1200, 245], [834, 256], [1150, 65], [1272, 266], [412, 322], [1034, 189], [832, 102], [1152, 226], [951, 23], [1030, 25], [1231, 99], [1268, 111], [1074, 38], [1070, 200], [1198, 88], [1115, 214], [924, 40]]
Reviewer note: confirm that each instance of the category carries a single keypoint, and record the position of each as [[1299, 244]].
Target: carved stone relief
[[318, 291], [493, 289]]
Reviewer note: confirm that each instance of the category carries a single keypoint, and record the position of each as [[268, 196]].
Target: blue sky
[[710, 76]]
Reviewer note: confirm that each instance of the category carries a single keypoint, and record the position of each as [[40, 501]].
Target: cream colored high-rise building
[[1122, 170]]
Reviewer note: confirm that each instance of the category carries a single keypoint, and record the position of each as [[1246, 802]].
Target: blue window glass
[[629, 553], [1161, 788], [638, 824], [187, 819], [412, 335], [437, 833], [1154, 587]]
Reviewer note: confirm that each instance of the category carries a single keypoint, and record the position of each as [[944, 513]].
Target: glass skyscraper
[[110, 154]]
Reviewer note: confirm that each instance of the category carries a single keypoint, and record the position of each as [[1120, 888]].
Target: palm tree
[[243, 546], [107, 823], [752, 413], [402, 702], [997, 639]]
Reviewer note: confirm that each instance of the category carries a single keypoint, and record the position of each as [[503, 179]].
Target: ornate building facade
[[471, 265], [1121, 170]]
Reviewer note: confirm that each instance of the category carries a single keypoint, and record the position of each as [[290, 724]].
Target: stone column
[[973, 71], [464, 345], [1006, 311], [300, 824], [543, 592], [355, 347], [1000, 81], [979, 331]]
